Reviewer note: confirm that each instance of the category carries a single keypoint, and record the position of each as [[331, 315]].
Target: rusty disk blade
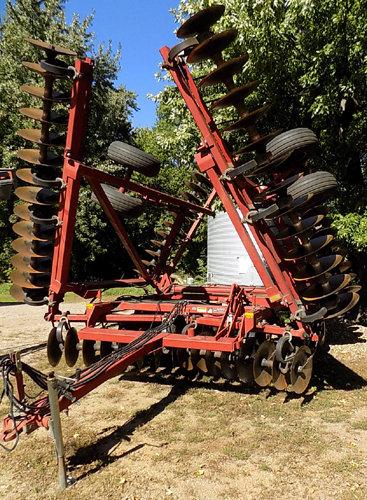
[[301, 370], [212, 46], [291, 206], [30, 230], [17, 293], [198, 188], [345, 266], [26, 229], [260, 143], [51, 118], [202, 179], [32, 248], [235, 96], [26, 175], [36, 135], [323, 265], [333, 285], [106, 349], [32, 297], [283, 184], [224, 72], [35, 213], [245, 370], [36, 195], [149, 263], [352, 289], [52, 49], [212, 364], [313, 246], [263, 363], [201, 21], [35, 156], [54, 348], [301, 227], [71, 350], [31, 264], [158, 243], [192, 198], [26, 280], [153, 253], [228, 369], [162, 232], [341, 304], [249, 119], [89, 351], [42, 93], [279, 378], [35, 67]]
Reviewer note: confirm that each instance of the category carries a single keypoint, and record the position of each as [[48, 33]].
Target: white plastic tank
[[227, 259]]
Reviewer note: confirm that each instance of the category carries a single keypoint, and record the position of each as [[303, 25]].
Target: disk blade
[[333, 285], [249, 119], [201, 21], [37, 196], [224, 72], [37, 136], [42, 93], [40, 115], [48, 47], [212, 46]]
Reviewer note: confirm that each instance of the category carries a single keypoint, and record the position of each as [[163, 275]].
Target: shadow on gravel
[[3, 304], [331, 373], [340, 333], [101, 450]]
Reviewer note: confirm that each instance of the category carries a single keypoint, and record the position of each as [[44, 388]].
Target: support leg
[[55, 425]]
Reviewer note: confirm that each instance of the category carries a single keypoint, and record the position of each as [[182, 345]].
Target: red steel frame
[[213, 159], [219, 317]]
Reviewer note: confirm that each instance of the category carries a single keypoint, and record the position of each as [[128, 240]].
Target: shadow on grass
[[329, 374], [101, 450]]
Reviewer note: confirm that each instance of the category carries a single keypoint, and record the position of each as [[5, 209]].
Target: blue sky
[[142, 27]]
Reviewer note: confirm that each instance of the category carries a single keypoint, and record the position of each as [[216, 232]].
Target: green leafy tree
[[109, 118]]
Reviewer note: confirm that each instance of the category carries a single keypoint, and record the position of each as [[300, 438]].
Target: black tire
[[132, 157], [315, 183], [123, 203], [293, 140]]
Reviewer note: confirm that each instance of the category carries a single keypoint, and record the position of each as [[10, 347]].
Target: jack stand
[[55, 427]]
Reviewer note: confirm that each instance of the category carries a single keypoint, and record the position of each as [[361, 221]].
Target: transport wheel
[[284, 144], [123, 203], [71, 347], [132, 157], [315, 183]]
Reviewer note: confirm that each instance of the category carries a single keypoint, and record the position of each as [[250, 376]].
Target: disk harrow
[[42, 179], [258, 336]]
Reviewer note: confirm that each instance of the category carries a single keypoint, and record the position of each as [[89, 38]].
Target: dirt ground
[[150, 437]]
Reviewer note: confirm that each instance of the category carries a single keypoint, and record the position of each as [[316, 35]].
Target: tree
[[109, 117]]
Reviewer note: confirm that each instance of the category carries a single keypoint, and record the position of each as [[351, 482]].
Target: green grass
[[72, 297]]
